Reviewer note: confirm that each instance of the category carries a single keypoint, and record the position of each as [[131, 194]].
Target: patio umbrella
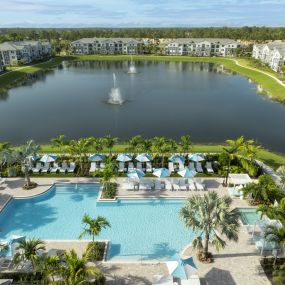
[[161, 172], [177, 158], [123, 157], [47, 158], [186, 172], [96, 157], [143, 157], [34, 157], [196, 157], [181, 267], [136, 174]]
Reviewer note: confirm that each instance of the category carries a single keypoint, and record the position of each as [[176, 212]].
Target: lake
[[163, 99]]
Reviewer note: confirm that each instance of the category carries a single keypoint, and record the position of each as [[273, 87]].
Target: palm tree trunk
[[27, 177], [206, 246], [228, 172]]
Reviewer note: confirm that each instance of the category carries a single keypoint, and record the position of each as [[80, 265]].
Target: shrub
[[110, 191], [95, 251]]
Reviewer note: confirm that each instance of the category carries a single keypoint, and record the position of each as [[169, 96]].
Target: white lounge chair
[[2, 180], [182, 185], [200, 186], [93, 167], [180, 166], [157, 185], [102, 166], [199, 167], [191, 185], [149, 168], [131, 166], [54, 169], [45, 168], [209, 167], [168, 185], [191, 166], [175, 185], [171, 166], [5, 263], [38, 168], [139, 166], [71, 167], [63, 168], [121, 167]]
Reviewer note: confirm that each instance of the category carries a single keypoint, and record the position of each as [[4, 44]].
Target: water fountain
[[115, 96], [132, 68]]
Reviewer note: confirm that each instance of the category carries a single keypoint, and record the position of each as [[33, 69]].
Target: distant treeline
[[257, 34]]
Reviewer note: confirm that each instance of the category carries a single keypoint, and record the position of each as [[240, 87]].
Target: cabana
[[238, 180]]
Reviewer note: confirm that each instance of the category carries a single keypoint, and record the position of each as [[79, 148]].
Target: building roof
[[93, 40], [7, 46], [200, 40], [239, 179]]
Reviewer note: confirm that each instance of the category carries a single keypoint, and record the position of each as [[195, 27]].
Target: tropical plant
[[24, 157], [279, 275], [59, 142], [98, 144], [185, 143], [134, 143], [211, 217], [281, 172], [263, 192], [28, 250], [273, 211], [146, 145], [110, 142]]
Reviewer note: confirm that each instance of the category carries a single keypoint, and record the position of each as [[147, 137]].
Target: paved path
[[261, 71]]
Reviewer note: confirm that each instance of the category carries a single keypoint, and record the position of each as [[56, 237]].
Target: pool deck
[[238, 263]]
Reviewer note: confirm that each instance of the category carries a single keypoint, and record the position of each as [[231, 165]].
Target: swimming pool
[[249, 216], [140, 229]]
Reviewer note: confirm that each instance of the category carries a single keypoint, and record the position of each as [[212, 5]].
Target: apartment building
[[14, 53], [272, 53], [201, 47], [106, 46]]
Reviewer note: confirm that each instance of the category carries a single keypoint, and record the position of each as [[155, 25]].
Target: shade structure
[[239, 178], [186, 172], [135, 174], [143, 157], [47, 158], [35, 157], [177, 158], [181, 267], [196, 157], [161, 172], [97, 157], [124, 157]]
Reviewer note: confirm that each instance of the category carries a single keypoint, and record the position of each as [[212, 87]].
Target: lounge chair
[[5, 263], [191, 185], [121, 167], [46, 168], [2, 180], [63, 168], [149, 167], [131, 166], [200, 186], [181, 166], [193, 279], [199, 167], [182, 185], [157, 185], [71, 168], [54, 169], [209, 167], [93, 167], [175, 185], [171, 166], [191, 166], [102, 166], [168, 185], [139, 166], [38, 168]]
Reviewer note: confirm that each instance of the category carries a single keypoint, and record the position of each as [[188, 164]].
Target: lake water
[[163, 99]]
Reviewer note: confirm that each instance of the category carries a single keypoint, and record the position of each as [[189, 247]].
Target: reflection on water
[[165, 98]]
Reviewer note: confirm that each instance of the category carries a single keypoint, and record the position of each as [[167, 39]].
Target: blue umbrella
[[177, 158], [35, 157], [135, 174], [143, 157], [182, 267], [196, 157], [186, 172], [97, 157], [123, 157], [47, 158], [161, 172]]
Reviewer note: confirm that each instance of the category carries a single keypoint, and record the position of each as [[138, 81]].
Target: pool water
[[140, 229], [249, 216]]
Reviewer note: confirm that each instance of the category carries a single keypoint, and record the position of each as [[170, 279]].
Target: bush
[[110, 191], [95, 251], [32, 185], [23, 277]]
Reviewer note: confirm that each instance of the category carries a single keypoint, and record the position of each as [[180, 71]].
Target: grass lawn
[[272, 88], [271, 158]]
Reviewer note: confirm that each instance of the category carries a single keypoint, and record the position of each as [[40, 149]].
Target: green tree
[[279, 275], [28, 250], [98, 144], [281, 172], [134, 143], [185, 143], [59, 142], [208, 215], [146, 145], [110, 142]]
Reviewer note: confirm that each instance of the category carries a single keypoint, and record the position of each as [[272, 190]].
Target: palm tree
[[80, 148], [185, 143], [28, 250], [24, 157], [98, 144], [110, 142], [134, 142], [59, 142], [74, 271], [93, 227], [159, 146], [146, 145], [207, 215]]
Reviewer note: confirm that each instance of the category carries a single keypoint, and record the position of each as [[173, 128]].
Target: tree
[[110, 142], [134, 142], [185, 143], [59, 142], [24, 157], [146, 145], [159, 146], [207, 215], [279, 275], [93, 227], [98, 144], [28, 250]]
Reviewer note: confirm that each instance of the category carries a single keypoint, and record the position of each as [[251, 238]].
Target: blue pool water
[[249, 216], [140, 229]]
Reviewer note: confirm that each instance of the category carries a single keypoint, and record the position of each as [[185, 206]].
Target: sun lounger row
[[64, 168], [96, 166], [130, 167]]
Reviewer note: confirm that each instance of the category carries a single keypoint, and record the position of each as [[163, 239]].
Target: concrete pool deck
[[238, 263]]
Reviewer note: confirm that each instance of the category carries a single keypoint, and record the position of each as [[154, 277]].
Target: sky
[[141, 13]]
